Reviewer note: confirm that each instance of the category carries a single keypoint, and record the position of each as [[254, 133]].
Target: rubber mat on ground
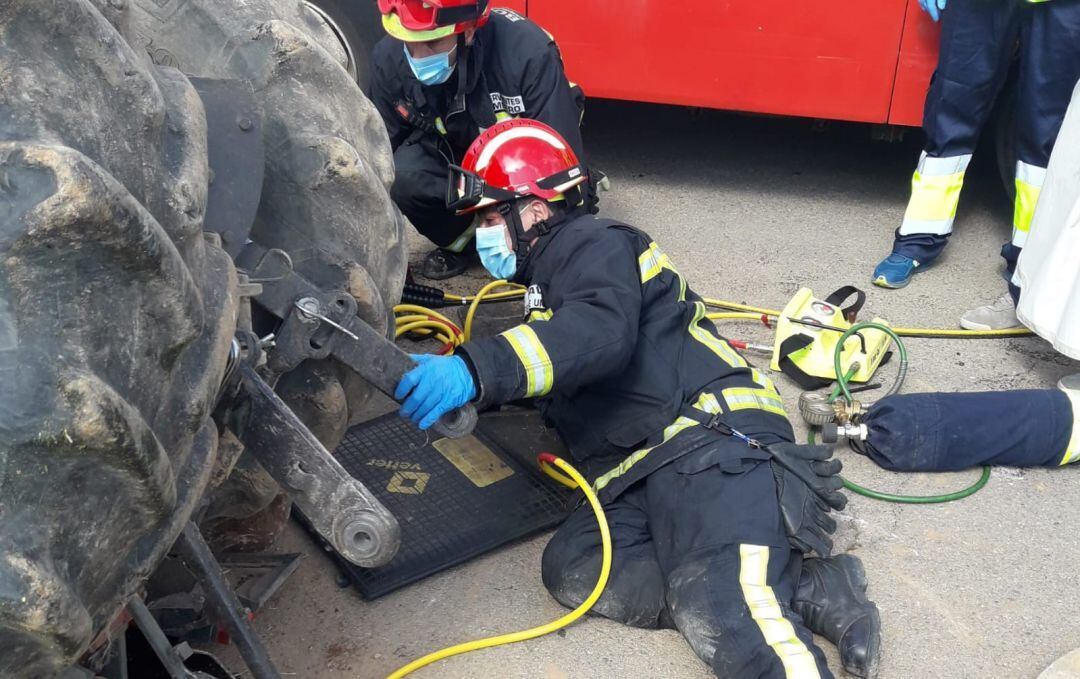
[[454, 498]]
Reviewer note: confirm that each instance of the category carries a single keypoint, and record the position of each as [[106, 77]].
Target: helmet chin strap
[[519, 236], [462, 73]]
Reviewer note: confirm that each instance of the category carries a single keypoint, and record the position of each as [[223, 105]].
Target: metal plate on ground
[[454, 498]]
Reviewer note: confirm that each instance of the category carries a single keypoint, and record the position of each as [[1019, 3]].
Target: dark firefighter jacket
[[615, 348], [513, 70]]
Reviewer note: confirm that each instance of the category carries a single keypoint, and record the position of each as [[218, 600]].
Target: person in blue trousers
[[979, 39]]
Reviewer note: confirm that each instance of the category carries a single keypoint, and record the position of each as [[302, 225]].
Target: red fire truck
[[866, 62]]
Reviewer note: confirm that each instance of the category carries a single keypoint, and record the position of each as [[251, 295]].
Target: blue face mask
[[433, 70], [495, 254]]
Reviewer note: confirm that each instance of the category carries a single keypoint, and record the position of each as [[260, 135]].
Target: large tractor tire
[[117, 312], [329, 165]]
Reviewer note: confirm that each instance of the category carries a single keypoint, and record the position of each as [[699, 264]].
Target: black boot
[[831, 599], [441, 264]]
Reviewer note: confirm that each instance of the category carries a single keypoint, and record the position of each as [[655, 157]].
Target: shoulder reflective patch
[[473, 459], [764, 381], [652, 262], [714, 343], [765, 609], [539, 373]]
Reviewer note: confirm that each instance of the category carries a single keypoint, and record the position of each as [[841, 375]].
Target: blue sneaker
[[895, 271]]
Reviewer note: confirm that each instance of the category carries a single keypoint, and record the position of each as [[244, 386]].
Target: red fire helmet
[[423, 20], [514, 159]]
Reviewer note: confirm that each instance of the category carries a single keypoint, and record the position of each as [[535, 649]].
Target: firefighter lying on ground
[[447, 70], [710, 533]]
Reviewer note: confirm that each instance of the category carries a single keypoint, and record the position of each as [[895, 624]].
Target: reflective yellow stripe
[[652, 262], [541, 315], [1072, 451], [764, 381], [717, 345], [502, 115], [1029, 181], [706, 402], [935, 192], [764, 608], [440, 126], [539, 373], [743, 398]]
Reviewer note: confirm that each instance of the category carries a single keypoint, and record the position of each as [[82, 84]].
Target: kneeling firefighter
[[447, 70], [711, 507]]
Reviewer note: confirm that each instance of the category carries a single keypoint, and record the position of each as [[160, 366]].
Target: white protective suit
[[1048, 271]]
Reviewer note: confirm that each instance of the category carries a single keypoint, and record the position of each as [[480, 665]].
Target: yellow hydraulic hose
[[733, 315], [484, 292], [943, 332], [468, 299], [739, 307], [410, 318], [564, 473], [903, 332]]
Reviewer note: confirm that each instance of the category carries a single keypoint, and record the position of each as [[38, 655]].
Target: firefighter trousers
[[977, 47], [419, 190], [948, 432], [698, 545]]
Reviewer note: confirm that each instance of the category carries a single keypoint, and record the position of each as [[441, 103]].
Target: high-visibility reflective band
[[764, 608], [764, 381], [706, 402], [652, 262], [1072, 451], [541, 315], [461, 241], [440, 126], [935, 192], [1029, 181], [502, 115], [539, 373], [744, 398], [717, 345]]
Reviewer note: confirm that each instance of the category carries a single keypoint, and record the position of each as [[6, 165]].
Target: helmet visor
[[466, 191]]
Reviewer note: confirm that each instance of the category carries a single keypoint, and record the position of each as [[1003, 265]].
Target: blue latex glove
[[933, 7], [437, 385]]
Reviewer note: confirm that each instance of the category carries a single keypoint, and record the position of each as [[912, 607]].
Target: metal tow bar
[[338, 506], [318, 324]]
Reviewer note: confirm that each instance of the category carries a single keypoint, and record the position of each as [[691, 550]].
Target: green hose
[[912, 499], [842, 389]]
